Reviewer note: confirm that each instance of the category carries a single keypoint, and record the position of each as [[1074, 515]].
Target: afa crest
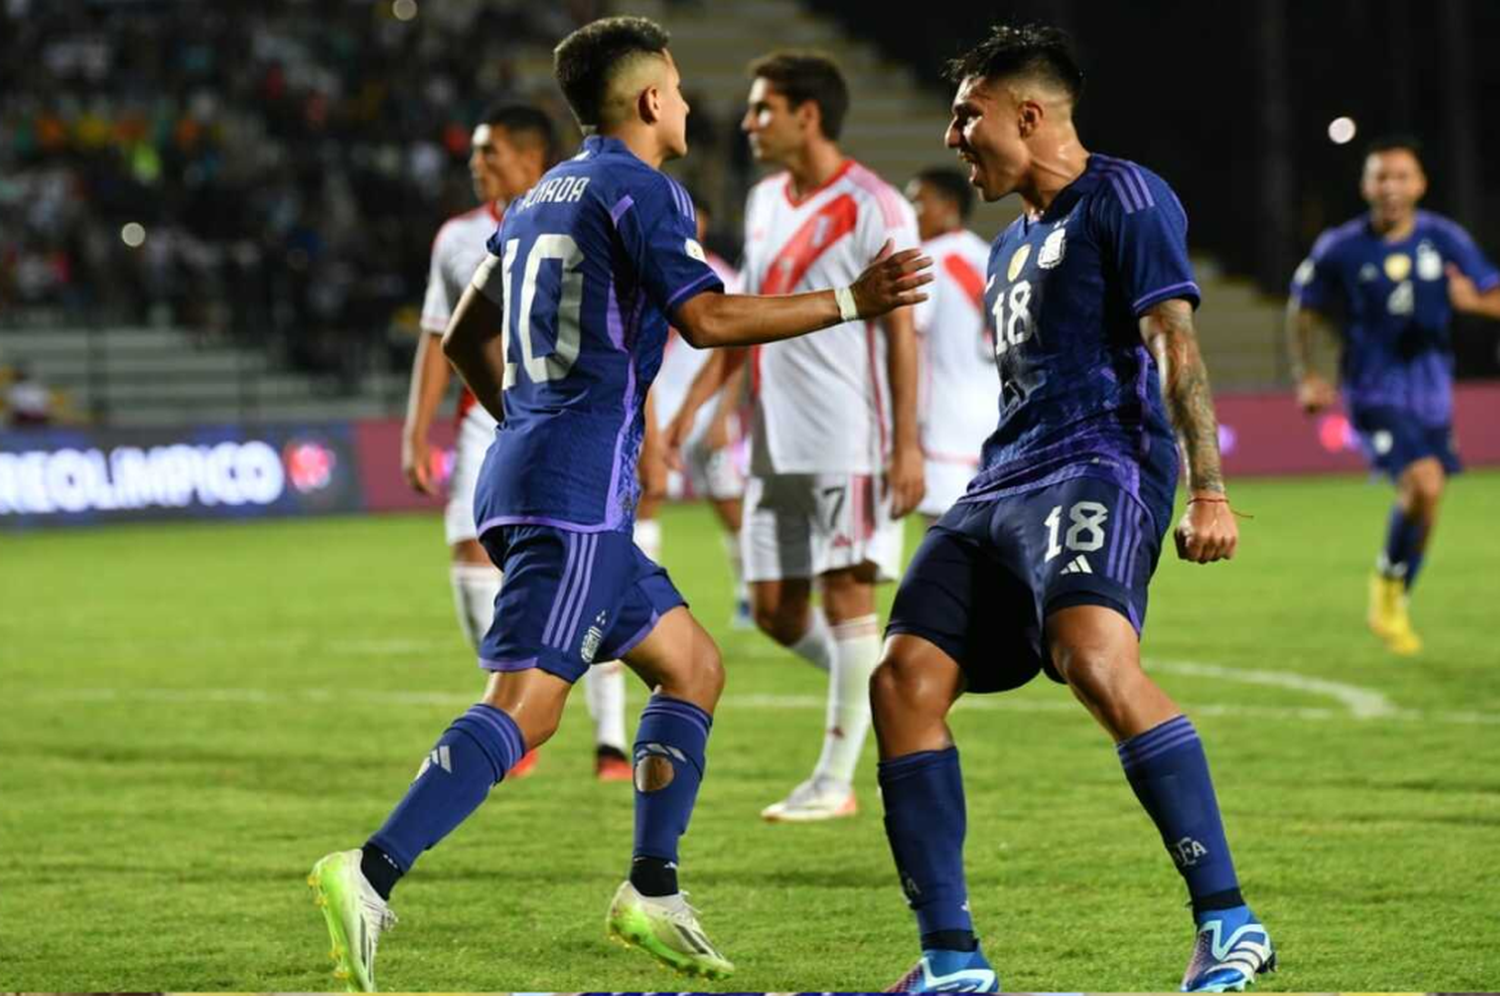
[[1053, 249]]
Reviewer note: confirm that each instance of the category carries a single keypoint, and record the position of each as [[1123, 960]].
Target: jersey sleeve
[[1144, 231], [441, 297], [1315, 282], [1468, 257], [660, 233]]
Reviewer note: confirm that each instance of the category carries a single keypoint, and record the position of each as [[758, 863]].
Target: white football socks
[[736, 566], [475, 587], [848, 716], [604, 691], [816, 646]]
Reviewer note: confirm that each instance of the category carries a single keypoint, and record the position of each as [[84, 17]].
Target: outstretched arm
[[889, 282], [1466, 297], [1305, 328], [1208, 531]]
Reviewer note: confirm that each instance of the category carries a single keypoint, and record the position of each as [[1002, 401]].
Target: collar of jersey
[[1069, 195], [597, 144]]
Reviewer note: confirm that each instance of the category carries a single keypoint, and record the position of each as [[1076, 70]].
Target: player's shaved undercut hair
[[804, 76], [1014, 51], [951, 184], [524, 124], [592, 59]]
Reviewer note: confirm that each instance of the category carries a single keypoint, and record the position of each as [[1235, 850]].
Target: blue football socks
[[670, 746], [1404, 547], [1169, 773], [925, 822], [470, 758]]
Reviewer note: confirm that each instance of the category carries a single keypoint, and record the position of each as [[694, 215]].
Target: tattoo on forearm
[[1305, 329], [1190, 404]]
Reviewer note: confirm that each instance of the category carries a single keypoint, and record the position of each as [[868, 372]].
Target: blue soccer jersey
[[1391, 301], [1079, 391], [592, 261]]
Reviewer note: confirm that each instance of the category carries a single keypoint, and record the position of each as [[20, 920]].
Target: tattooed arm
[[1304, 329], [1207, 531]]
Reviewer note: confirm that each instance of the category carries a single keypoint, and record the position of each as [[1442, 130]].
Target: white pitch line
[[1362, 703], [733, 703]]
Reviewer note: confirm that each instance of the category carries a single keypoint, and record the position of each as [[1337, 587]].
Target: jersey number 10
[[566, 318]]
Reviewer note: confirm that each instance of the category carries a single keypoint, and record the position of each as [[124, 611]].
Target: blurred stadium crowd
[[213, 165]]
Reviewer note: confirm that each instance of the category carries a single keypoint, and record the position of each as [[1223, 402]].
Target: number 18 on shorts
[[990, 570]]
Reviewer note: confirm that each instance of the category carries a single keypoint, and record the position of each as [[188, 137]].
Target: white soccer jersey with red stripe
[[959, 408], [822, 401], [457, 250]]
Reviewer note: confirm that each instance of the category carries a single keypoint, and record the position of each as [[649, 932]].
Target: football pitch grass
[[193, 714]]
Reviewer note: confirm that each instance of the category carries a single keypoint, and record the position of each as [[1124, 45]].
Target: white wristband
[[848, 311]]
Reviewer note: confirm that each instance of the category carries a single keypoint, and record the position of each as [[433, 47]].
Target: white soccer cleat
[[355, 915], [666, 928], [814, 800]]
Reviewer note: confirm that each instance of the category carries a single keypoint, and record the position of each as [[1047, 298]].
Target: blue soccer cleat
[[942, 971], [1231, 950]]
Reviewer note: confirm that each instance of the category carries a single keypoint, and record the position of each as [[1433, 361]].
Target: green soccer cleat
[[355, 914], [667, 929]]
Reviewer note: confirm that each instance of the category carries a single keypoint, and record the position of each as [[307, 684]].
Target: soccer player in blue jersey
[[1391, 280], [559, 336], [1044, 562]]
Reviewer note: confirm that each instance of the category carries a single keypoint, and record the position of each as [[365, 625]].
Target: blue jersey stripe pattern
[[1080, 394], [594, 259]]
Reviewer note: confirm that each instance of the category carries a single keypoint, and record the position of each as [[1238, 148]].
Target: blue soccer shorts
[[569, 599], [1394, 439], [989, 572]]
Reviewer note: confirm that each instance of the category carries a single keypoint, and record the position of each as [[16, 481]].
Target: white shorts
[[804, 525], [713, 473], [947, 480], [475, 433]]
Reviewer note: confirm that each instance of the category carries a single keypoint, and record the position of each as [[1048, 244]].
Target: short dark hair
[[1397, 143], [586, 61], [1022, 50], [951, 184], [800, 76], [525, 122]]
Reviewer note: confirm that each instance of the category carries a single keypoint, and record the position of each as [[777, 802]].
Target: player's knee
[[1422, 487], [782, 622], [899, 685], [536, 727], [885, 687], [698, 679], [1092, 674], [1427, 490], [709, 674]]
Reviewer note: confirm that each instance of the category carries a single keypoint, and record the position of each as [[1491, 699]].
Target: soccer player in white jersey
[[709, 465], [958, 351], [835, 458], [513, 146]]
